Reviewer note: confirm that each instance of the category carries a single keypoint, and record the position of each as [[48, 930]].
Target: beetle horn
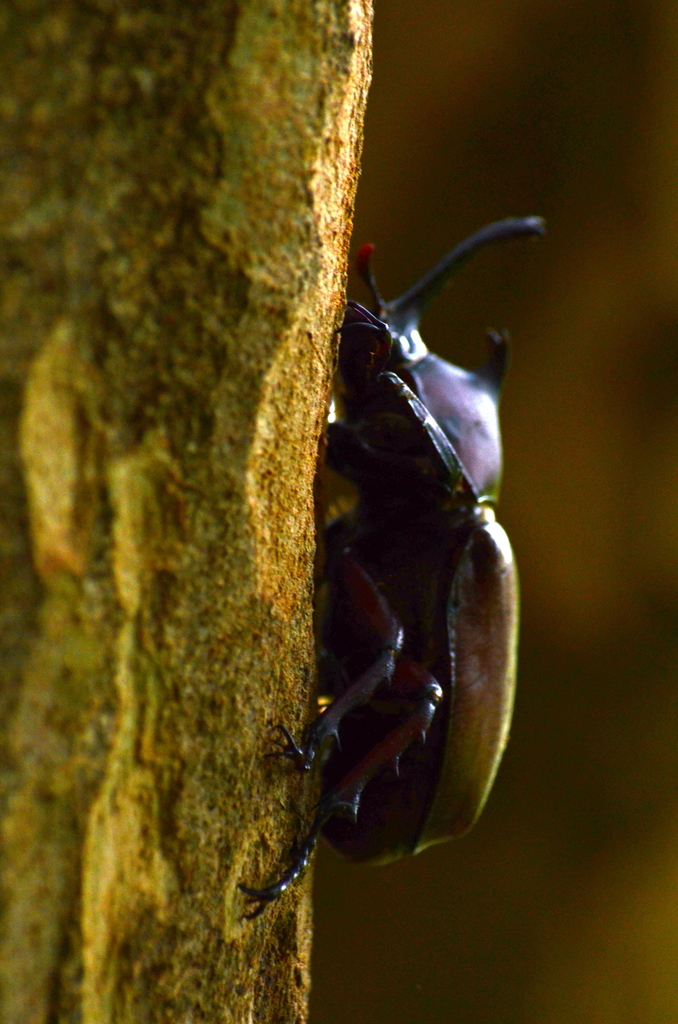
[[403, 314], [492, 372]]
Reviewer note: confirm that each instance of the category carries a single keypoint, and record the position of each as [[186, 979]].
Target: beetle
[[420, 627]]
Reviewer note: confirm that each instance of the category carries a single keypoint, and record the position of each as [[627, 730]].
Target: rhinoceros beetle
[[421, 618]]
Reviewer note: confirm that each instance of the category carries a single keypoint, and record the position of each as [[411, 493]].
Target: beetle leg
[[344, 799], [287, 746], [362, 594], [301, 857], [357, 694]]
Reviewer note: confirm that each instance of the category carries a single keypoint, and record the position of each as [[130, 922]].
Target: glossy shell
[[464, 405], [483, 629]]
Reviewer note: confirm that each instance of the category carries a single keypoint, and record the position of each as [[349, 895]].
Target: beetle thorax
[[465, 407]]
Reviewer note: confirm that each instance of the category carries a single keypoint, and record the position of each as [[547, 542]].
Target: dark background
[[561, 906]]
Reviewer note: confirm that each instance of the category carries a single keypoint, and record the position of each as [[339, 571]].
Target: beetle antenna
[[366, 274], [403, 314]]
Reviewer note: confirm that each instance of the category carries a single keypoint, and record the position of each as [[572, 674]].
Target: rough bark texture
[[176, 201]]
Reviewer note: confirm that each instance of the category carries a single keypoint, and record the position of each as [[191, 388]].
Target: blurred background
[[561, 906]]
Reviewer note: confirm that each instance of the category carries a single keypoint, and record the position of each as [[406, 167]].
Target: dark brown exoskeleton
[[420, 628]]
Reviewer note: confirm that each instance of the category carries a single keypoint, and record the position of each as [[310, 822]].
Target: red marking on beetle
[[363, 259]]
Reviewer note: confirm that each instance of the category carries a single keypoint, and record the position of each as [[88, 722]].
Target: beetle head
[[365, 350], [464, 403]]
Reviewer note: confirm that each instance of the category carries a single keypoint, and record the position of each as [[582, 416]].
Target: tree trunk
[[176, 208]]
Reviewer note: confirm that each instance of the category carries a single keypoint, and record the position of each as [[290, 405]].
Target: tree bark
[[176, 208]]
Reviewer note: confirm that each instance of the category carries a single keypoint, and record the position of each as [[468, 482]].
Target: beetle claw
[[303, 756], [255, 894], [288, 748]]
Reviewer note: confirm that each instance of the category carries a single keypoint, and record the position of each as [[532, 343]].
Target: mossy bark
[[176, 202]]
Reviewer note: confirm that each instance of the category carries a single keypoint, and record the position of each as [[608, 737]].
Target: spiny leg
[[364, 595], [301, 855], [344, 798]]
